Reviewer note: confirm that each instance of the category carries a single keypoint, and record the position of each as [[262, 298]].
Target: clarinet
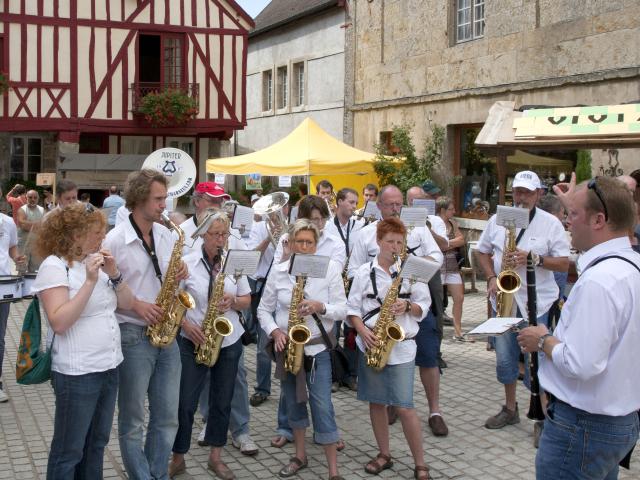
[[535, 406]]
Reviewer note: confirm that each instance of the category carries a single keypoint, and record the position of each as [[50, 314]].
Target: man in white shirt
[[324, 189], [142, 247], [28, 218], [546, 240], [8, 250], [113, 202], [587, 365]]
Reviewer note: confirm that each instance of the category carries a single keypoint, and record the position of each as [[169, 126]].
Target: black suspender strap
[[613, 256], [345, 240], [323, 332], [150, 249], [532, 214], [374, 295]]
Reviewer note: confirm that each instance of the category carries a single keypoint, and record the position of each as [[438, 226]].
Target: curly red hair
[[62, 227]]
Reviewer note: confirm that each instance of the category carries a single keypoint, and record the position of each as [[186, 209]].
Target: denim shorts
[[427, 342], [392, 386], [577, 444], [508, 354]]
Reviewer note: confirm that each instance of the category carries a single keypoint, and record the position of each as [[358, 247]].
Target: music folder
[[497, 326], [241, 262], [310, 266]]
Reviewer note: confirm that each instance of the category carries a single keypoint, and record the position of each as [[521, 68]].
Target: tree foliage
[[583, 166]]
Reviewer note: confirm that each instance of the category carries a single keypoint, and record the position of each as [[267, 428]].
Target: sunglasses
[[592, 185]]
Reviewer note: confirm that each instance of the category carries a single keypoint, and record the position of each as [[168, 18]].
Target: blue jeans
[[577, 445], [508, 354], [284, 430], [153, 372], [84, 414], [240, 415], [4, 315], [263, 361], [325, 430], [221, 385]]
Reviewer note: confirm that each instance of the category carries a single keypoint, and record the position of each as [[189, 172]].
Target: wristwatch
[[538, 260], [541, 341], [408, 307]]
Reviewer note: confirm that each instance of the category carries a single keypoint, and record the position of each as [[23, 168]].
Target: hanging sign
[[219, 178], [253, 181], [284, 181]]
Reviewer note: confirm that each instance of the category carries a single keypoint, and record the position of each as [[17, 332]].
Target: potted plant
[[4, 83], [168, 108]]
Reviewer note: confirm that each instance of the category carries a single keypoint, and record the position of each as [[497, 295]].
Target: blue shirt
[[114, 202]]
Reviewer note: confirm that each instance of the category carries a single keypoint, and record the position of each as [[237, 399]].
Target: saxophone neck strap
[[212, 267], [345, 239], [325, 336], [150, 249]]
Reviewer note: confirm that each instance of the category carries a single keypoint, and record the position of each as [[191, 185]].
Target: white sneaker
[[201, 441], [246, 445], [3, 396]]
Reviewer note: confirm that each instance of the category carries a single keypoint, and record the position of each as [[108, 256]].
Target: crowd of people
[[99, 277]]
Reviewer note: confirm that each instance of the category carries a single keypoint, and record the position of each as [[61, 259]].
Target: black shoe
[[351, 384], [258, 398], [442, 363]]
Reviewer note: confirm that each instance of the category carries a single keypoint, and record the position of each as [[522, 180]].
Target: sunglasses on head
[[592, 185]]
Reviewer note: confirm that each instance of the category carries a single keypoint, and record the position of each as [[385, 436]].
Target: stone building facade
[[295, 69], [418, 62]]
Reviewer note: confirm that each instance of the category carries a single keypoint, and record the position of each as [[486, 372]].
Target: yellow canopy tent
[[307, 150]]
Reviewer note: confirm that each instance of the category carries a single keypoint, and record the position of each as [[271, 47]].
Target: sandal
[[279, 441], [419, 471], [374, 468], [294, 466]]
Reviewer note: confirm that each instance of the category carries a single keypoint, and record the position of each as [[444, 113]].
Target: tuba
[[299, 334], [508, 281], [271, 206], [214, 326], [386, 329], [174, 302]]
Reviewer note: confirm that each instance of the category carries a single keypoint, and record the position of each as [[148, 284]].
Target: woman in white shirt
[[324, 298], [79, 288], [394, 384], [204, 266]]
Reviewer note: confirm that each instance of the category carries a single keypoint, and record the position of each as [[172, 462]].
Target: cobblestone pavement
[[469, 394]]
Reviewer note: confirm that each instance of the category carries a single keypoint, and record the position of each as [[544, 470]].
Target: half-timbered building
[[79, 73]]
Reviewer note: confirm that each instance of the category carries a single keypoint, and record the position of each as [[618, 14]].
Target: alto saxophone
[[299, 333], [387, 330], [214, 326], [173, 302], [508, 280]]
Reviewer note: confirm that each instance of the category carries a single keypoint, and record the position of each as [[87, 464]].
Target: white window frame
[[298, 84], [282, 87], [186, 144], [25, 156], [469, 20], [267, 90]]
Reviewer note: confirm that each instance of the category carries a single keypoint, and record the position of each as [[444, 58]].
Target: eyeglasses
[[219, 234], [392, 205], [592, 185], [305, 243]]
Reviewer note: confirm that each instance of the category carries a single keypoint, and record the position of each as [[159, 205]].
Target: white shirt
[[359, 305], [92, 343], [135, 265], [198, 286], [276, 297], [258, 234], [122, 214], [438, 226], [328, 245], [190, 245], [599, 329], [544, 236], [349, 231], [8, 239], [420, 242]]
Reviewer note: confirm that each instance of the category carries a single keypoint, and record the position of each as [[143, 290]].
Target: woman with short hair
[[393, 385], [79, 287], [324, 303]]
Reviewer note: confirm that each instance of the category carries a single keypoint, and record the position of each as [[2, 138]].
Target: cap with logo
[[430, 187], [213, 190], [527, 179]]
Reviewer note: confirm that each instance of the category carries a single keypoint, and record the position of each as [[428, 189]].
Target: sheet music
[[242, 218], [293, 215], [413, 216], [313, 266], [427, 203], [371, 210], [419, 269], [496, 326], [241, 262], [512, 216]]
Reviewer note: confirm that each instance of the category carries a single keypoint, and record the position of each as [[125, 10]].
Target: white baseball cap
[[527, 179], [254, 197]]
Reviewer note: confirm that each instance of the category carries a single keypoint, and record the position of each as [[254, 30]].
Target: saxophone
[[299, 333], [508, 281], [214, 326], [387, 330], [174, 302]]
